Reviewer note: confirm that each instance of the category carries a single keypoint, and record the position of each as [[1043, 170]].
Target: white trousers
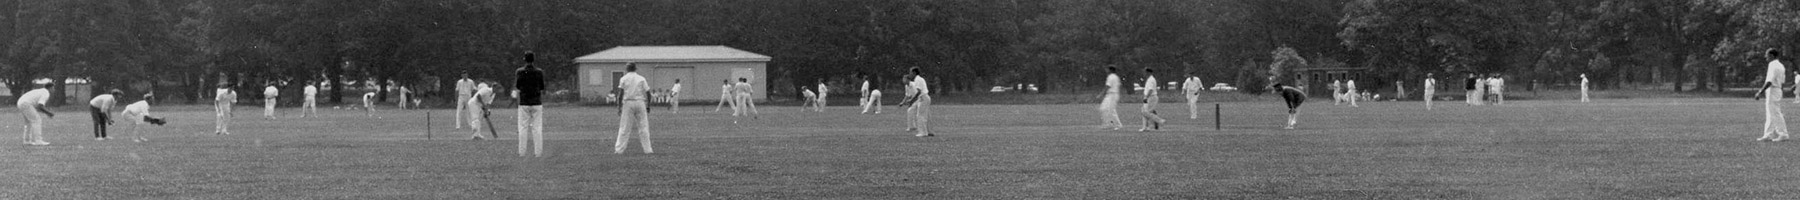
[[635, 119], [1193, 101], [311, 106], [462, 105], [1428, 95], [1148, 113], [223, 123], [1584, 93], [269, 107], [1774, 123], [34, 124], [922, 114], [475, 117], [1109, 112], [873, 102], [531, 129]]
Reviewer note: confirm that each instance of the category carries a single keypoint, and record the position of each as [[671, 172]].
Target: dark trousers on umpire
[[100, 120]]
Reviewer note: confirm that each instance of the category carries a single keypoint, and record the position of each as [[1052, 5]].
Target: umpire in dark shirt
[[1469, 88], [531, 107]]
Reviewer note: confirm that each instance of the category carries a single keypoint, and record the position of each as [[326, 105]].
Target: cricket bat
[[490, 122]]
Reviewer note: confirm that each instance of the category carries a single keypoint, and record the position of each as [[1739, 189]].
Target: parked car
[[1222, 87]]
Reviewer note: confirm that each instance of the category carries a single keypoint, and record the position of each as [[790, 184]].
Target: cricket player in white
[[1337, 92], [746, 104], [811, 98], [139, 114], [1496, 85], [222, 107], [269, 94], [911, 112], [1481, 90], [871, 98], [675, 97], [1350, 92], [1109, 101], [405, 96], [1151, 98], [725, 96], [477, 104], [310, 105], [823, 90], [920, 99], [368, 100], [1191, 89], [1584, 88], [31, 106], [464, 88], [1430, 89], [1774, 123], [633, 117]]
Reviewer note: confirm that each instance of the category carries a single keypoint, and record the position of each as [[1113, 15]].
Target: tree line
[[181, 48]]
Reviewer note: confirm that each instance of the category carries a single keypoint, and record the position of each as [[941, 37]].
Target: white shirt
[[1150, 87], [742, 88], [310, 91], [1777, 75], [822, 89], [807, 93], [865, 86], [368, 97], [105, 102], [675, 89], [923, 90], [1430, 84], [465, 87], [1112, 84], [725, 90], [1193, 85], [634, 86], [35, 97], [226, 96], [1350, 85], [270, 92], [1496, 83], [483, 95], [136, 111]]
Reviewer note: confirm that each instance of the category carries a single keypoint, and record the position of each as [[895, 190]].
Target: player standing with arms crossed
[[1109, 101], [102, 106], [1774, 123], [1430, 89], [1191, 89], [1294, 98], [1151, 98], [531, 106], [920, 99], [634, 118]]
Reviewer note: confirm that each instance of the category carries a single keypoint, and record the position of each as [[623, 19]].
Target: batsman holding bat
[[483, 96]]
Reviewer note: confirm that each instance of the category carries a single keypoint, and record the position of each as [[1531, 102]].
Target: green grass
[[1694, 148]]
